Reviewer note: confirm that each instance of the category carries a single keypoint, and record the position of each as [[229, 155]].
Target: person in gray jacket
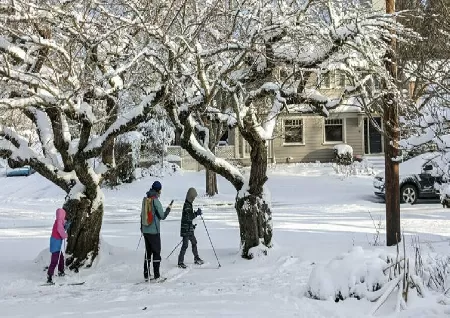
[[187, 228], [151, 214]]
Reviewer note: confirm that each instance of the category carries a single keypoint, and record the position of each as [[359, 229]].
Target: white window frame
[[344, 131], [335, 79], [303, 132]]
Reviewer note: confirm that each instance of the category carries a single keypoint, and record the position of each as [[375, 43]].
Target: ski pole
[[174, 249], [210, 240], [148, 264], [139, 242]]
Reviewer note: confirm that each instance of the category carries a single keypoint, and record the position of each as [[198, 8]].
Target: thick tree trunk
[[84, 233], [108, 151], [254, 214], [211, 183]]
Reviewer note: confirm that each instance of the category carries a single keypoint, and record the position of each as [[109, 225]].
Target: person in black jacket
[[187, 228]]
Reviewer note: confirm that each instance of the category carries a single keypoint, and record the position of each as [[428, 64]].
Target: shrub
[[343, 154]]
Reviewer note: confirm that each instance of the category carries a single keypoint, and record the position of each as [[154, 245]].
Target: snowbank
[[353, 274]]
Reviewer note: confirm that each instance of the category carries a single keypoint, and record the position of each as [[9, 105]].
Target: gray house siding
[[355, 135], [314, 147]]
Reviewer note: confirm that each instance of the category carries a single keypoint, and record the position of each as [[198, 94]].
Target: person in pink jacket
[[58, 235]]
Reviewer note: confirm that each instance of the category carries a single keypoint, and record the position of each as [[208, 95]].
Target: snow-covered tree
[[60, 63], [426, 67], [158, 133], [260, 54]]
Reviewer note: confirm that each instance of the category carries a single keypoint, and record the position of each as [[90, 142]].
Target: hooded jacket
[[158, 213], [58, 231], [188, 215]]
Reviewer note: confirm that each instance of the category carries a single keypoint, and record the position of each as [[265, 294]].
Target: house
[[302, 136]]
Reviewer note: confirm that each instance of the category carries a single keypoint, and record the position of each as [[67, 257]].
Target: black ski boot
[[156, 274], [182, 265], [199, 261], [49, 279], [61, 274]]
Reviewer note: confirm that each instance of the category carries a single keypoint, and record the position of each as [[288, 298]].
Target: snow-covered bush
[[343, 154], [156, 170], [434, 271], [357, 168], [158, 133], [357, 274]]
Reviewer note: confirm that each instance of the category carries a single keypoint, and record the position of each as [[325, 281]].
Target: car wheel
[[408, 194]]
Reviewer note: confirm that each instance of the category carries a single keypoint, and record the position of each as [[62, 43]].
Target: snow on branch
[[204, 156], [23, 102], [16, 148], [228, 47], [45, 131], [124, 123], [265, 130], [15, 51]]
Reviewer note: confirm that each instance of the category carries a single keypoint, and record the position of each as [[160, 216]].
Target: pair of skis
[[63, 284], [153, 281]]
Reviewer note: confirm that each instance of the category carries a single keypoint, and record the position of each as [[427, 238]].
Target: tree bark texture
[[216, 130], [254, 214], [84, 232], [392, 187], [391, 140], [211, 183]]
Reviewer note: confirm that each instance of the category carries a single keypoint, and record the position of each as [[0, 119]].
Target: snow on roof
[[349, 106]]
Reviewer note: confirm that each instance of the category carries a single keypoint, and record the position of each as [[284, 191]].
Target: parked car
[[24, 171], [418, 177]]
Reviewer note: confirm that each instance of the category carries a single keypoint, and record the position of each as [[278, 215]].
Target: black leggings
[[153, 249]]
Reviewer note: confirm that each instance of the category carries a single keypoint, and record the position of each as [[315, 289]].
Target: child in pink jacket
[[58, 235]]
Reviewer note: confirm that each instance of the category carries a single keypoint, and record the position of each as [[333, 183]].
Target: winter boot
[[61, 274], [49, 279], [156, 274], [182, 265], [198, 261]]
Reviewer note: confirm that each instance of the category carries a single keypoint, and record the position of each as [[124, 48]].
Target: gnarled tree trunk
[[254, 214], [84, 234], [211, 183]]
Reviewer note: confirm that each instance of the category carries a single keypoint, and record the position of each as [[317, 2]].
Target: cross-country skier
[[58, 235], [151, 213], [187, 228]]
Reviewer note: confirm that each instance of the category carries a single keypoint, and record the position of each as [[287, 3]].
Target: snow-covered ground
[[317, 215]]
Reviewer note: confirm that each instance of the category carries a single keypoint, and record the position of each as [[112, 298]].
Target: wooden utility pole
[[391, 141]]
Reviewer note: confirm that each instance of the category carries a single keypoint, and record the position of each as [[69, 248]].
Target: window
[[293, 131], [326, 80], [334, 130], [341, 77], [333, 79]]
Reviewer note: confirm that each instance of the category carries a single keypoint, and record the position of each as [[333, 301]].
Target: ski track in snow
[[317, 216]]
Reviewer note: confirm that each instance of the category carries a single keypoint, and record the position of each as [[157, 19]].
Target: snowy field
[[317, 215]]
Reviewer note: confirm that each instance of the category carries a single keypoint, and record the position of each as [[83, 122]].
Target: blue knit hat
[[156, 186]]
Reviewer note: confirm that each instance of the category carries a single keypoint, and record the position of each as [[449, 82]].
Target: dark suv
[[415, 185]]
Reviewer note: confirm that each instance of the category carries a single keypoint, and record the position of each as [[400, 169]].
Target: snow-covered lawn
[[317, 216]]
